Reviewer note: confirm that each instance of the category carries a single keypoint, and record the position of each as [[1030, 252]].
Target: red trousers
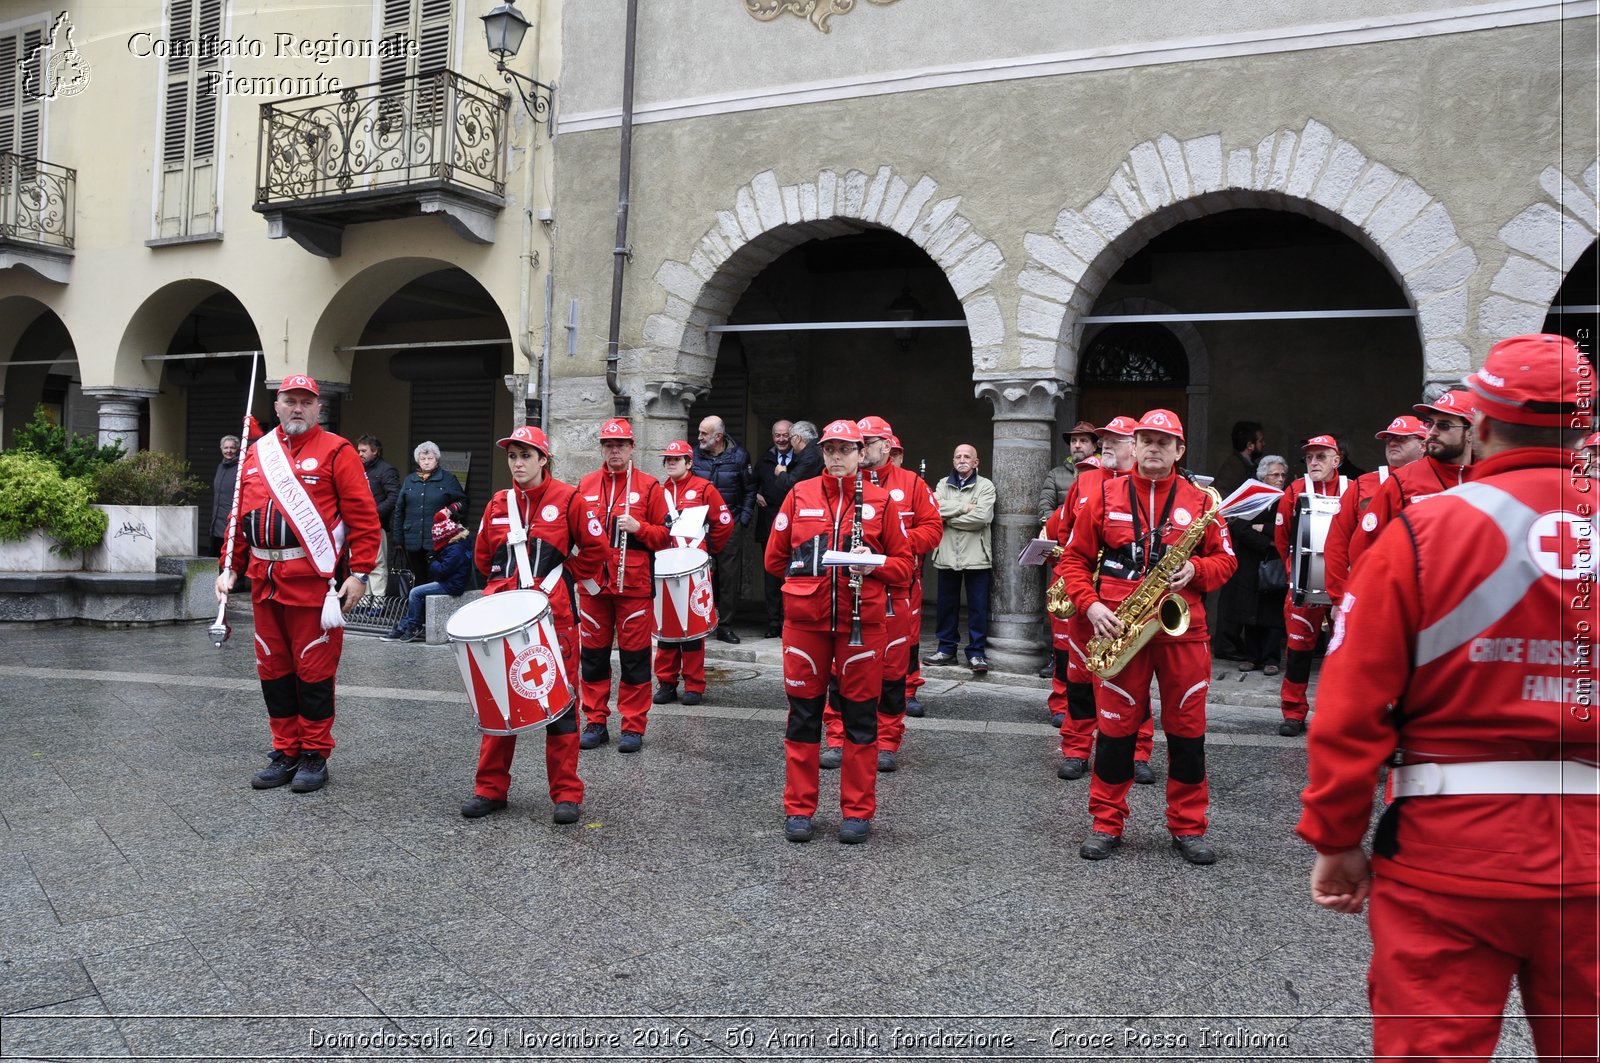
[[602, 619], [1072, 692], [810, 659], [560, 747], [900, 646], [1442, 967], [1303, 624], [296, 661], [914, 678], [1183, 671], [686, 659]]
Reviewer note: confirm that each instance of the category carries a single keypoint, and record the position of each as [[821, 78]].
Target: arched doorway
[[1128, 369], [1575, 311], [42, 372]]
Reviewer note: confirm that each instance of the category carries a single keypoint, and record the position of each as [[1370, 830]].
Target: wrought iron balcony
[[37, 225], [429, 144]]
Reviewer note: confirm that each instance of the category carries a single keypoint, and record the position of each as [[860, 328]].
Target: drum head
[[680, 561], [494, 615]]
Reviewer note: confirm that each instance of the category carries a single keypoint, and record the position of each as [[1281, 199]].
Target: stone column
[[119, 413], [663, 417], [1024, 421]]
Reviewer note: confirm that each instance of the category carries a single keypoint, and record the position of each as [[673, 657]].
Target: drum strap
[[518, 538]]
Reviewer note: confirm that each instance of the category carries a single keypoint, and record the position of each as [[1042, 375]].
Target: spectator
[[1082, 444], [802, 435], [425, 492], [447, 570], [963, 557], [1260, 609], [222, 484], [385, 483], [1249, 443], [776, 473], [1347, 468], [727, 465]]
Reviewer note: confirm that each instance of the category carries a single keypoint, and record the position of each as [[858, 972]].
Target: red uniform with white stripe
[[553, 515], [1302, 623], [818, 514], [1181, 664], [296, 660], [626, 617], [688, 659], [1406, 486], [1355, 501], [1467, 635]]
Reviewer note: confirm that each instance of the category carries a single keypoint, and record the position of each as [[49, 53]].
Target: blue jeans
[[418, 601], [949, 608]]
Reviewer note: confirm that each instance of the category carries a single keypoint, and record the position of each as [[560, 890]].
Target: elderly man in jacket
[[726, 464], [963, 558]]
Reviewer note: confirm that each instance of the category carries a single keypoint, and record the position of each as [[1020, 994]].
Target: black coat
[[803, 465], [1243, 600], [222, 484], [729, 472], [384, 481]]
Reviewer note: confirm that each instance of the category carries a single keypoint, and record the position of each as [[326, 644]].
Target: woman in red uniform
[[558, 538]]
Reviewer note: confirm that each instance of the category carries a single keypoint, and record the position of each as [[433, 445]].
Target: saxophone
[[1056, 602], [1151, 607]]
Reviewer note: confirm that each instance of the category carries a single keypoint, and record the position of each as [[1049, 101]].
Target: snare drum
[[510, 658], [685, 610], [1308, 581]]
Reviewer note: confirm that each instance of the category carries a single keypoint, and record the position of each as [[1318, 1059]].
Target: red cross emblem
[[1562, 544], [534, 671], [1565, 545], [700, 600]]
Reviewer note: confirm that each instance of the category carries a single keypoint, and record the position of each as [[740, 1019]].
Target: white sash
[[1344, 482], [297, 505], [517, 539]]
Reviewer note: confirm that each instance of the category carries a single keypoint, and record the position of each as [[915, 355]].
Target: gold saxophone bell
[[1056, 602]]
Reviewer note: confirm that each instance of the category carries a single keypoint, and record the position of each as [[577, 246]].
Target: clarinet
[[855, 577], [627, 506]]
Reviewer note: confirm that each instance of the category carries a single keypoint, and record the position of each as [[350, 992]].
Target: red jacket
[[331, 472], [1466, 634], [1283, 531], [606, 496], [825, 506], [694, 491], [554, 515], [919, 512], [1352, 504], [1106, 520], [1408, 485], [1059, 526]]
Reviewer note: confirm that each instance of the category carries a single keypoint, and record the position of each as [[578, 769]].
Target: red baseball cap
[[1457, 403], [616, 428], [529, 436], [844, 431], [299, 382], [1404, 426], [1091, 462], [1321, 441], [1592, 440], [1118, 426], [894, 444], [1164, 421], [677, 449], [874, 426], [1534, 380]]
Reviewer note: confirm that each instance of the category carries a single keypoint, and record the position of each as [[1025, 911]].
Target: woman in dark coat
[[1259, 610], [423, 494]]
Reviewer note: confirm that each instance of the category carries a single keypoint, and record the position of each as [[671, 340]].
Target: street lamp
[[503, 29]]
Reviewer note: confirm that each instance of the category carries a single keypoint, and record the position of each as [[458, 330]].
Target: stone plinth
[[37, 553], [137, 535], [437, 611]]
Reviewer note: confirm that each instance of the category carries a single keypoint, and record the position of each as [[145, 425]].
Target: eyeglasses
[[1442, 426]]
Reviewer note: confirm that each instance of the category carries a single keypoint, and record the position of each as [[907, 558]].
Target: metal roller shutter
[[458, 415]]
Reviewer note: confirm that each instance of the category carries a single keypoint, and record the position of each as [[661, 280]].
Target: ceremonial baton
[[219, 630]]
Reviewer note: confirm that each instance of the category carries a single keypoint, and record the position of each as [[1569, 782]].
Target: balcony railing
[[36, 202], [434, 129]]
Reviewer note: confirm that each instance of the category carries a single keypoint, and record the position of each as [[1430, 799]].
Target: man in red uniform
[[1135, 520], [684, 490], [1072, 687], [914, 680], [632, 512], [304, 513], [1303, 623], [919, 519], [547, 519], [1447, 464], [821, 612], [1463, 651], [1404, 441]]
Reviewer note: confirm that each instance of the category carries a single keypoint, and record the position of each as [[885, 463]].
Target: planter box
[[33, 554], [137, 535]]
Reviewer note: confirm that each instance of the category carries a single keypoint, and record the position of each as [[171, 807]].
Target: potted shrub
[[46, 520], [145, 497]]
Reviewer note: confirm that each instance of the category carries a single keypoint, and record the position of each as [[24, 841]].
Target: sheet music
[[1037, 552], [691, 523], [1249, 499], [845, 557]]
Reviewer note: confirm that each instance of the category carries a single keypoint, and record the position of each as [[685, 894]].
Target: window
[[188, 197], [20, 109], [427, 22]]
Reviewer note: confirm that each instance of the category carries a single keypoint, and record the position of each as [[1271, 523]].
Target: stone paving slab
[[151, 904]]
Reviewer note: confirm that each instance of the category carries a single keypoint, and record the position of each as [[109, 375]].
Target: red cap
[[874, 426], [1321, 441], [1534, 380], [616, 428], [1457, 403], [1082, 428], [444, 526], [299, 382], [528, 436], [677, 449], [1118, 426], [844, 431], [1404, 426], [1164, 421], [1091, 462], [894, 444]]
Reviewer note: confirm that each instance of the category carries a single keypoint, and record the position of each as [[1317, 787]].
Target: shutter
[[433, 55], [455, 415], [188, 198], [21, 113]]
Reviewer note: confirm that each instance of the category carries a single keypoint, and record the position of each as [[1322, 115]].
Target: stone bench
[[180, 591], [437, 610]]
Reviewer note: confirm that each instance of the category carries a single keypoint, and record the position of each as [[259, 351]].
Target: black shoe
[[1193, 848], [313, 773], [667, 692], [279, 770], [1098, 846], [727, 634], [594, 734], [831, 757], [774, 631], [1072, 768], [693, 697], [853, 831], [1142, 773], [403, 632], [1048, 671], [979, 665], [1057, 719], [565, 812], [940, 658], [629, 742], [477, 806], [914, 708], [797, 828], [1292, 728], [887, 761]]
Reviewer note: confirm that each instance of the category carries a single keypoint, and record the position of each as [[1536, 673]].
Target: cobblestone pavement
[[152, 904]]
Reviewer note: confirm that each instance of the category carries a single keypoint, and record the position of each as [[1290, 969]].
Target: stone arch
[[1310, 171], [1543, 241], [767, 219]]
